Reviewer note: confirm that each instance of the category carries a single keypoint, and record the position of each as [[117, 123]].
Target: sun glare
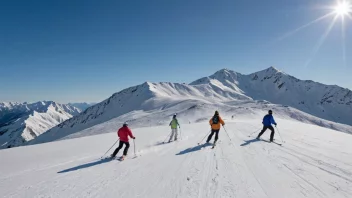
[[341, 11], [343, 8]]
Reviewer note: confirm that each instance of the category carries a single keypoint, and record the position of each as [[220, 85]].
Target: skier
[[215, 122], [267, 121], [174, 123], [123, 134]]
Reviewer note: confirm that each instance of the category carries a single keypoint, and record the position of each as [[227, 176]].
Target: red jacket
[[124, 132]]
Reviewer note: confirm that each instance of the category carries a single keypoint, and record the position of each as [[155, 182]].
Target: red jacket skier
[[123, 134]]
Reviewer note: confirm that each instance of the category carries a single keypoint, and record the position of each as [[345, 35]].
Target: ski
[[122, 158], [215, 143], [271, 142], [107, 158], [204, 145], [280, 144], [213, 146]]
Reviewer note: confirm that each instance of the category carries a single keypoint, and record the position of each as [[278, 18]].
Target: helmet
[[125, 124], [175, 115], [270, 112], [216, 113]]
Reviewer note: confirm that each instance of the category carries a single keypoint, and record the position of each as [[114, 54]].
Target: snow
[[22, 122], [144, 112], [313, 162], [305, 101], [82, 106], [329, 102]]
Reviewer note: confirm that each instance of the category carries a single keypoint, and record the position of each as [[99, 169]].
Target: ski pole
[[227, 133], [134, 148], [180, 134], [279, 135], [253, 132], [110, 148], [167, 137], [204, 137]]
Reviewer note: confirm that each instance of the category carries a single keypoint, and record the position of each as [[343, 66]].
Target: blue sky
[[71, 51]]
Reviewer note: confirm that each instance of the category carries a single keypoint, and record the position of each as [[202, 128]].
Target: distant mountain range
[[22, 122], [82, 106]]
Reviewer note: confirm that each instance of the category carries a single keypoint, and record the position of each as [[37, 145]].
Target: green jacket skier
[[174, 123]]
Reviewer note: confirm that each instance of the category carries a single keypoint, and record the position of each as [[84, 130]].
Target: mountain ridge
[[22, 122], [323, 99], [225, 90]]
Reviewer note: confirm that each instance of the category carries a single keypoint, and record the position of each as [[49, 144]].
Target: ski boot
[[122, 158]]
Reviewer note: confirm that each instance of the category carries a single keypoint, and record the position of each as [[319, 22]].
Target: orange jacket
[[216, 126]]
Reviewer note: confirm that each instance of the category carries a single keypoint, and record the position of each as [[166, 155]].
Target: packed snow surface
[[313, 162]]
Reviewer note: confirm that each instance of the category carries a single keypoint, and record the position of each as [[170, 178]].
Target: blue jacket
[[268, 120]]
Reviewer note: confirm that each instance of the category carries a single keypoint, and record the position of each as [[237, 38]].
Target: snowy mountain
[[82, 106], [308, 158], [22, 122], [329, 102], [234, 94]]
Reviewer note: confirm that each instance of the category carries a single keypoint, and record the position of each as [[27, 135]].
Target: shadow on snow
[[163, 143], [193, 149], [247, 142], [102, 161]]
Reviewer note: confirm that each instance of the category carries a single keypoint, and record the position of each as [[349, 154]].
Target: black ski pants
[[272, 132], [212, 133], [120, 147]]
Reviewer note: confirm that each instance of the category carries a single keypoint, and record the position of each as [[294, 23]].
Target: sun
[[343, 8], [340, 11]]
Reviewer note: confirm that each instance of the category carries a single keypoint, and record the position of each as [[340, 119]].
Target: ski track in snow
[[312, 163]]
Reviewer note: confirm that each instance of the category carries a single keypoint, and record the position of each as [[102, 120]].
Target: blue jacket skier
[[268, 120]]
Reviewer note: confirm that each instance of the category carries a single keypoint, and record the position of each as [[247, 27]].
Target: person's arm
[[178, 124], [221, 121], [130, 134], [170, 123], [211, 121], [273, 121]]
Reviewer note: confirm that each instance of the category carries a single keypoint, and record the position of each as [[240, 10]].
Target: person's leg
[[272, 133], [126, 148], [117, 149], [172, 134], [216, 135], [175, 131], [210, 136], [263, 130]]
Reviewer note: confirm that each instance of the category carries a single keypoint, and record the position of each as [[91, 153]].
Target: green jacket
[[174, 123]]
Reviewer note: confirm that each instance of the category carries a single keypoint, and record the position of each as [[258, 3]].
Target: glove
[[275, 125], [179, 127], [134, 138]]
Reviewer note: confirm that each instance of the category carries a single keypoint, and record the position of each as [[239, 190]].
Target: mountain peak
[[272, 68], [225, 71]]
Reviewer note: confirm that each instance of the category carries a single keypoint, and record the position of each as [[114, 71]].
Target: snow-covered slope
[[314, 162], [22, 122], [329, 102]]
